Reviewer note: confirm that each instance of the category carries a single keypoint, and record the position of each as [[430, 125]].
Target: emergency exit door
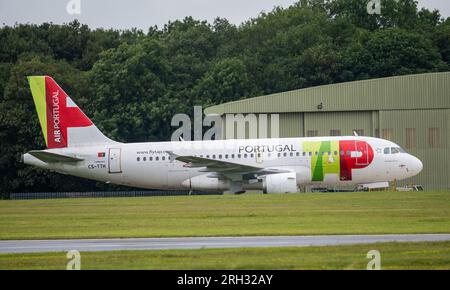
[[114, 160]]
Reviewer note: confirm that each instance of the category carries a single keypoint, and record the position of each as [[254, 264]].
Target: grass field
[[393, 256], [288, 214]]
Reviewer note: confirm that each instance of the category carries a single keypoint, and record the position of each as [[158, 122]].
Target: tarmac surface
[[84, 245]]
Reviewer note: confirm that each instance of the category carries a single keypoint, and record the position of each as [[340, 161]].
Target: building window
[[360, 132], [387, 134], [335, 132], [377, 132], [312, 133], [410, 138], [434, 138]]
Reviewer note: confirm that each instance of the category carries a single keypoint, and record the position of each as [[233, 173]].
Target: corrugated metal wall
[[345, 122], [436, 160], [424, 91]]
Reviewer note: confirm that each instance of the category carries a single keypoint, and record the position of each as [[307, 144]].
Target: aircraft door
[[363, 153], [114, 160]]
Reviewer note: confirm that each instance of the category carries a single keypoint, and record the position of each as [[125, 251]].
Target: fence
[[52, 195]]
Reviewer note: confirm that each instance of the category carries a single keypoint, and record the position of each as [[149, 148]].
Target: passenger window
[[164, 158], [342, 152], [245, 155], [220, 156], [387, 150], [310, 153], [239, 156], [214, 157], [232, 156], [157, 158], [138, 159], [150, 158], [335, 153], [144, 159], [284, 154], [226, 156]]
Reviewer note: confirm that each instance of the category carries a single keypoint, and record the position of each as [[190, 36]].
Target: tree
[[227, 81], [394, 52]]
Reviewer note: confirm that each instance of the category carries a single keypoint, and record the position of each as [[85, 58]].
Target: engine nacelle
[[203, 182], [280, 183]]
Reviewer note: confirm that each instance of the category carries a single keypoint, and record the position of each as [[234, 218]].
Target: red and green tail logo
[[338, 157], [57, 112]]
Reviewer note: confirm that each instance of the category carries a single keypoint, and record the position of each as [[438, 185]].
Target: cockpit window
[[387, 150], [395, 150], [402, 150]]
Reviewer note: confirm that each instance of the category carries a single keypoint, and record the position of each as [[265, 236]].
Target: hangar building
[[412, 111]]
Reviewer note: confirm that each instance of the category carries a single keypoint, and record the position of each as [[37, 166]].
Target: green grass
[[288, 214], [393, 256]]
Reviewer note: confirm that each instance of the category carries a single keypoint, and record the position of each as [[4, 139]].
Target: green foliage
[[131, 83]]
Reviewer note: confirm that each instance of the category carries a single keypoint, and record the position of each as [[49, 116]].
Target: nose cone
[[416, 165]]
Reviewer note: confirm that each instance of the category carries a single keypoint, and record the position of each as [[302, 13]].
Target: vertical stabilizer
[[62, 121]]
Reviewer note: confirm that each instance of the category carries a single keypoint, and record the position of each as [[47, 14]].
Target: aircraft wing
[[225, 168]]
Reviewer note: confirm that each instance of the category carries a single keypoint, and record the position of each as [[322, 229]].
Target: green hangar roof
[[422, 91]]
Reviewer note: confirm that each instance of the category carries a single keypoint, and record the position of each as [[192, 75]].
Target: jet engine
[[280, 183], [204, 182]]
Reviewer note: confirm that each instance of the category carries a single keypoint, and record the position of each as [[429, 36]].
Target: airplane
[[75, 146]]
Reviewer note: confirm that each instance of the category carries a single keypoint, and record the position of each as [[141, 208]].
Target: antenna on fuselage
[[355, 134]]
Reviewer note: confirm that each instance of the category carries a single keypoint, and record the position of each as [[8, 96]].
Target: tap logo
[[337, 157]]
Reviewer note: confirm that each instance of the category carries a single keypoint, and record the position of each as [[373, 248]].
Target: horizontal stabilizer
[[49, 157]]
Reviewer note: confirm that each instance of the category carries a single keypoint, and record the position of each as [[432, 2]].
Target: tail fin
[[63, 123]]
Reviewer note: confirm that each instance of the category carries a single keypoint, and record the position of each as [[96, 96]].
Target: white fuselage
[[317, 161]]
